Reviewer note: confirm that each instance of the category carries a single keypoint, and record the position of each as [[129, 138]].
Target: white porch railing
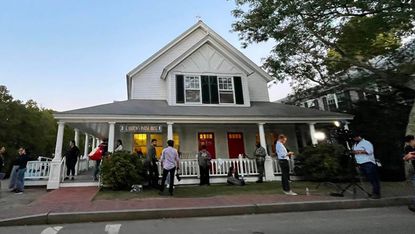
[[37, 173], [189, 170], [277, 168]]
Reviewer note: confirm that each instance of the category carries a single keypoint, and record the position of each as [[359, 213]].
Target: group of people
[[362, 150], [18, 171]]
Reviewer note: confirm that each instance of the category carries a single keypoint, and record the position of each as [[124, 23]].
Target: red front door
[[208, 139], [235, 144]]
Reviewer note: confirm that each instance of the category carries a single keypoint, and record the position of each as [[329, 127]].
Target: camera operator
[[365, 159]]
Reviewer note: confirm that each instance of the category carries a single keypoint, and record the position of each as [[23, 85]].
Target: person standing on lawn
[[151, 164], [203, 159], [409, 155], [260, 154], [283, 159], [72, 156], [169, 162], [104, 148], [365, 159]]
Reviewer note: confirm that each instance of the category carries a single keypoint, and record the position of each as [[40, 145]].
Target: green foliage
[[383, 124], [323, 42], [121, 170], [26, 125], [323, 162]]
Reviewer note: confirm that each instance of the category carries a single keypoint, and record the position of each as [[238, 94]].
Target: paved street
[[379, 220]]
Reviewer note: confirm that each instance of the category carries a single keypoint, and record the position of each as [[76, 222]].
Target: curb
[[142, 214]]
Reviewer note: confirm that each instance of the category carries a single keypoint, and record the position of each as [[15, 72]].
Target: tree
[[340, 42], [27, 125]]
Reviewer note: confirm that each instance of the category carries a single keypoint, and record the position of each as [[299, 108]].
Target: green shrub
[[323, 162], [121, 170]]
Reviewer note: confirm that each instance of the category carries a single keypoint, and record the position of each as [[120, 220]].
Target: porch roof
[[135, 108]]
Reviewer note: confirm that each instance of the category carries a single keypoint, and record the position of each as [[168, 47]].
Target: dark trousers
[[204, 175], [163, 180], [70, 168], [153, 175], [285, 175], [96, 172], [260, 165], [370, 171]]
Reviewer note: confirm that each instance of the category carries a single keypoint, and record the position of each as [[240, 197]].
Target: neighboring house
[[329, 99], [197, 90]]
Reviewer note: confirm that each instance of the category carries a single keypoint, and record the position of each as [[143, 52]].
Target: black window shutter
[[214, 96], [179, 89], [205, 90], [239, 95]]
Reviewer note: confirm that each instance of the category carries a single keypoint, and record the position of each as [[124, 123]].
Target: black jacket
[[22, 161], [72, 154]]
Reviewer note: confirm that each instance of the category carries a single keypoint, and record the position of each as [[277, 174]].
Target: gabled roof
[[209, 32], [206, 40]]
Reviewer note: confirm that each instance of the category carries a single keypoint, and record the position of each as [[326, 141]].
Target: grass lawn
[[218, 190], [389, 189]]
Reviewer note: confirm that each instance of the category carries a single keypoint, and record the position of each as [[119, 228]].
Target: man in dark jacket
[[260, 154], [72, 156], [151, 164], [22, 160]]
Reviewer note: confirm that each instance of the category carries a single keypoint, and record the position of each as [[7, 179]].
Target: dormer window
[[194, 89], [226, 89]]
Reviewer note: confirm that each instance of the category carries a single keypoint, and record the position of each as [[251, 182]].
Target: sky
[[72, 54]]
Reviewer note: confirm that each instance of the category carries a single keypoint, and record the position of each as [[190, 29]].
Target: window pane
[[226, 97], [192, 96]]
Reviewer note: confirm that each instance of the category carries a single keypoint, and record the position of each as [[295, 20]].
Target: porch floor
[[84, 176]]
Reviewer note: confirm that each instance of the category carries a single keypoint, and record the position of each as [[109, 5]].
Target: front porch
[[188, 137]]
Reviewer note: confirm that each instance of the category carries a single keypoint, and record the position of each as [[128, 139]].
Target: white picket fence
[[37, 172], [277, 168]]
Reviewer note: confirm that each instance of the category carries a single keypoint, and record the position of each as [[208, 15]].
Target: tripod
[[356, 178]]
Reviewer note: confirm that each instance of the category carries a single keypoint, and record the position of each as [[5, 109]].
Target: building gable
[[199, 49]]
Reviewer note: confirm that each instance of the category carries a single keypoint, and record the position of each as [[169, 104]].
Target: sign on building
[[148, 128]]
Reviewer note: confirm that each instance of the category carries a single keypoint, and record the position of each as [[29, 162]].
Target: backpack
[[203, 159]]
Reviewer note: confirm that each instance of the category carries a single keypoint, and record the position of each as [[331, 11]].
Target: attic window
[[225, 90], [192, 89]]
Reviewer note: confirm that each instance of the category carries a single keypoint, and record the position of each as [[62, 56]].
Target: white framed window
[[192, 89], [226, 91]]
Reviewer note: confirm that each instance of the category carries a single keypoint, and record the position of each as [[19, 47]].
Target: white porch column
[[56, 164], [59, 142], [111, 137], [76, 138], [86, 147], [169, 130], [313, 133], [262, 136], [268, 164]]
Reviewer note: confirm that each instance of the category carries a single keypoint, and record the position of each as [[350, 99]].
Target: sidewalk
[[70, 201]]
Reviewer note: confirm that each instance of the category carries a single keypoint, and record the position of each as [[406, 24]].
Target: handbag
[[96, 154]]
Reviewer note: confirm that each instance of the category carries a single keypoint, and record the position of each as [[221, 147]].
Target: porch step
[[78, 184]]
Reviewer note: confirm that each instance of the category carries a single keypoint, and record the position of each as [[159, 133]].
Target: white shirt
[[281, 151], [366, 146], [119, 148]]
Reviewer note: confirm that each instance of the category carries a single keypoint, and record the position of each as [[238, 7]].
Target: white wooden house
[[198, 89]]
